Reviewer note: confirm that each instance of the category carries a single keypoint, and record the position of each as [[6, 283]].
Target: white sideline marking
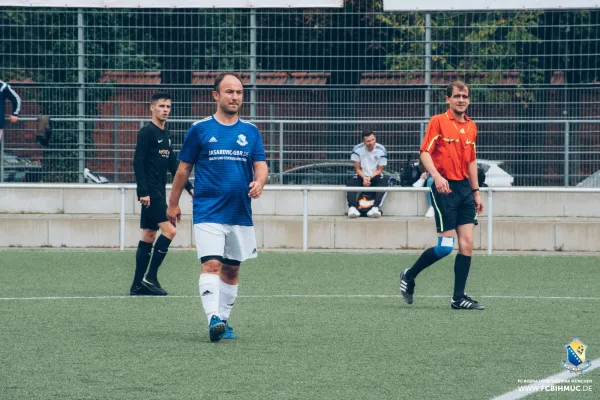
[[557, 379], [326, 296]]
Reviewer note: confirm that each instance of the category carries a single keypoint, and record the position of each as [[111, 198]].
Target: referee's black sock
[[462, 264], [427, 258], [161, 247], [142, 257]]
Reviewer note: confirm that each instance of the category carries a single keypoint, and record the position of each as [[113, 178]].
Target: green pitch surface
[[310, 326]]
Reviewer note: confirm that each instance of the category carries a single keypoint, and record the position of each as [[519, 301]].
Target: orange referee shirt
[[451, 144]]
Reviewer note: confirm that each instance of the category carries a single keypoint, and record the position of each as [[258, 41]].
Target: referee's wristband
[[475, 190]]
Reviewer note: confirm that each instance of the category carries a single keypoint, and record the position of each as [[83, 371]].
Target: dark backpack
[[410, 173], [481, 170], [366, 201]]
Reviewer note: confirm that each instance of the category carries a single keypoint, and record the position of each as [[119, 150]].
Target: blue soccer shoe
[[216, 329]]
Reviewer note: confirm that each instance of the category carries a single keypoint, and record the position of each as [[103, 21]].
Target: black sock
[[161, 247], [427, 258], [462, 264], [142, 257]]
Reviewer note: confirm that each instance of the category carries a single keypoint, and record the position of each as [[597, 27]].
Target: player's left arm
[[261, 173], [261, 170], [473, 179], [378, 171], [382, 163]]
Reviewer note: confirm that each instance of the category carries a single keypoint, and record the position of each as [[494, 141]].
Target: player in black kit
[[153, 156]]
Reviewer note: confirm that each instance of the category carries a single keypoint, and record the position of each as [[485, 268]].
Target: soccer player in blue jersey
[[230, 170]]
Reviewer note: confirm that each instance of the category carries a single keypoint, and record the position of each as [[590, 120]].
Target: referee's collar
[[450, 116]]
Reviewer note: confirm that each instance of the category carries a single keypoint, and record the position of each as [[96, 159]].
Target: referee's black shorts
[[455, 208], [155, 214]]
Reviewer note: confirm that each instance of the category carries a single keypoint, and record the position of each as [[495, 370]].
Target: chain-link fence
[[533, 76]]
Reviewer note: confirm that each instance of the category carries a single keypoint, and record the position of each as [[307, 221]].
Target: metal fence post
[[122, 221], [305, 220], [271, 141], [2, 158], [253, 63], [427, 65], [81, 91], [489, 221], [115, 144], [281, 153], [567, 133]]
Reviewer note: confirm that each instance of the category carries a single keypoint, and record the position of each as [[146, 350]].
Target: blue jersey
[[223, 156]]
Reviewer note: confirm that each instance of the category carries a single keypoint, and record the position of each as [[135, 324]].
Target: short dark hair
[[366, 133], [460, 85], [221, 76], [159, 96]]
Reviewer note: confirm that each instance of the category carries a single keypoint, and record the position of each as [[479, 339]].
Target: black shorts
[[456, 208], [155, 214]]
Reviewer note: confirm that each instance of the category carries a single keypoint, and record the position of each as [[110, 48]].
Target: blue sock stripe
[[442, 251]]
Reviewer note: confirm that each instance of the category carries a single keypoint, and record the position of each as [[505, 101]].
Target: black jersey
[[153, 156]]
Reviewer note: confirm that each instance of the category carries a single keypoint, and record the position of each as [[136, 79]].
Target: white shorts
[[234, 242]]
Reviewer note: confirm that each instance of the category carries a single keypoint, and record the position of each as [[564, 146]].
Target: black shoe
[[407, 287], [466, 303], [154, 287], [137, 289]]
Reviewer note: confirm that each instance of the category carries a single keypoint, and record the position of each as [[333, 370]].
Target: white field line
[[554, 380], [306, 296]]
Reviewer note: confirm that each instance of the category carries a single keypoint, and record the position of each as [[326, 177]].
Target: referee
[[448, 154], [153, 156]]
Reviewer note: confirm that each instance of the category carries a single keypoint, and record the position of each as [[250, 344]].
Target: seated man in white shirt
[[369, 158]]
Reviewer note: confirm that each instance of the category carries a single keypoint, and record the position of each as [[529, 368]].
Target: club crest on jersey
[[242, 140], [575, 361]]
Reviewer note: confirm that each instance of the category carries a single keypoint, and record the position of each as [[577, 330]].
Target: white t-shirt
[[369, 160]]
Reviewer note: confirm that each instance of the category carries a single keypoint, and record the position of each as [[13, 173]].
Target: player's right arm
[[181, 178], [173, 166], [188, 155], [358, 169], [141, 153], [433, 134], [355, 158]]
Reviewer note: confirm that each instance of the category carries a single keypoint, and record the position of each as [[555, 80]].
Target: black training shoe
[[466, 303], [137, 289], [407, 287], [154, 287]]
